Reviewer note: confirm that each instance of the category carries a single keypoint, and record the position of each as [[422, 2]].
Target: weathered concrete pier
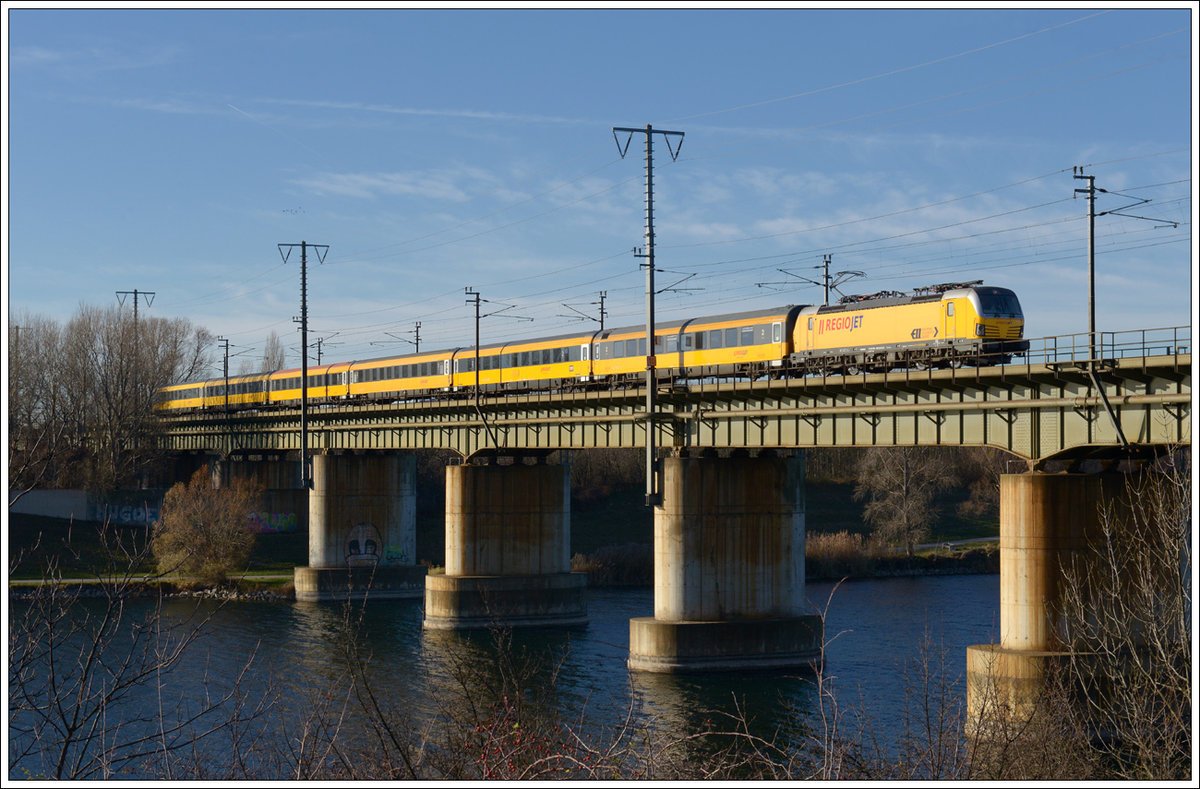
[[1047, 522], [728, 568], [508, 540], [361, 529]]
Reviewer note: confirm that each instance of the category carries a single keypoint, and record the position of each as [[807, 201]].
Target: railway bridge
[[729, 517]]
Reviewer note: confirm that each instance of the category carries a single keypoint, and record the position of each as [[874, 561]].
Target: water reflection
[[302, 651], [768, 705]]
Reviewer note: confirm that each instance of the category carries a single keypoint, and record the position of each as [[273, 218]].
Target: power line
[[285, 251], [652, 494], [891, 73]]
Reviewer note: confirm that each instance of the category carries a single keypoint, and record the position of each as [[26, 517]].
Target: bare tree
[[979, 469], [83, 667], [274, 354], [899, 484], [38, 433], [274, 357], [81, 407], [1128, 614]]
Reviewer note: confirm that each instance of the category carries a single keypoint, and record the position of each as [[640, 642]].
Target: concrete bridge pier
[[284, 505], [508, 538], [362, 531], [728, 569], [1046, 523]]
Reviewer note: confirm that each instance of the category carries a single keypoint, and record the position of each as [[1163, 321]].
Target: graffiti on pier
[[363, 545], [395, 554]]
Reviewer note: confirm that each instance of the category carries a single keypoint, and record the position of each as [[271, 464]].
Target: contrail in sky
[[272, 128]]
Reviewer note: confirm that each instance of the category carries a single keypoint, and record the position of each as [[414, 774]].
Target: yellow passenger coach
[[942, 325]]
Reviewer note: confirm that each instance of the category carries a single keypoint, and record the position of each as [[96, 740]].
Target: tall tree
[[899, 484], [37, 431], [274, 353], [87, 390], [1127, 622]]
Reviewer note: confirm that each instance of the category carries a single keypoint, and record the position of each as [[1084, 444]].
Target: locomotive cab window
[[998, 303]]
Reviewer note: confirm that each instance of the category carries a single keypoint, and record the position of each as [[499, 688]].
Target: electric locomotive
[[943, 325]]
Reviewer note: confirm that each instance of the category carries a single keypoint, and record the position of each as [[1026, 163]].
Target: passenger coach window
[[714, 339], [731, 338], [747, 335]]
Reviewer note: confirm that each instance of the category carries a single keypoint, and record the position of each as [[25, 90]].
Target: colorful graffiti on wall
[[126, 514], [395, 554], [272, 522]]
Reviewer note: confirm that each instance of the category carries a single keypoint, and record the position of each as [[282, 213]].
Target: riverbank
[[633, 564], [623, 566], [82, 551]]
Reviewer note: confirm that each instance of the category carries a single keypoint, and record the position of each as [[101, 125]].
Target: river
[[877, 632]]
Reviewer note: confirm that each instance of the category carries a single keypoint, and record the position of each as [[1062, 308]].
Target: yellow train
[[944, 325]]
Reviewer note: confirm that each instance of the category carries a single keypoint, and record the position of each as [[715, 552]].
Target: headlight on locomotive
[[980, 331]]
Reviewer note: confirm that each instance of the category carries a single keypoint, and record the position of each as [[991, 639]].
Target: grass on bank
[[610, 538], [79, 549]]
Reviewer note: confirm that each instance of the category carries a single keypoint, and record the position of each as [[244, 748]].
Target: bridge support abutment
[[362, 529], [728, 569], [1046, 524], [284, 505], [508, 539]]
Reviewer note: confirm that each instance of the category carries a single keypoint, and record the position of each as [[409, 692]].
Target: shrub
[[631, 564], [202, 532], [838, 555]]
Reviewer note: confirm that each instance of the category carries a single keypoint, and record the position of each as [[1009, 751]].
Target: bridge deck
[[1051, 408]]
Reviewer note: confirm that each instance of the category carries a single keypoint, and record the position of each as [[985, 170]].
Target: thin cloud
[[425, 112], [436, 184], [88, 60]]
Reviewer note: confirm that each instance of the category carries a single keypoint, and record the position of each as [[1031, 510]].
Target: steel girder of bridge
[[1035, 411]]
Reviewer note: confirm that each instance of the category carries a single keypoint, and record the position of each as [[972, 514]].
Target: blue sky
[[171, 151]]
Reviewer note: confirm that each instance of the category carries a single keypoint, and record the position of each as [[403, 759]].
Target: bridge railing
[[1137, 343], [1059, 349]]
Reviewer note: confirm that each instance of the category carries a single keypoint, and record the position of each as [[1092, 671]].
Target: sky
[[431, 151]]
